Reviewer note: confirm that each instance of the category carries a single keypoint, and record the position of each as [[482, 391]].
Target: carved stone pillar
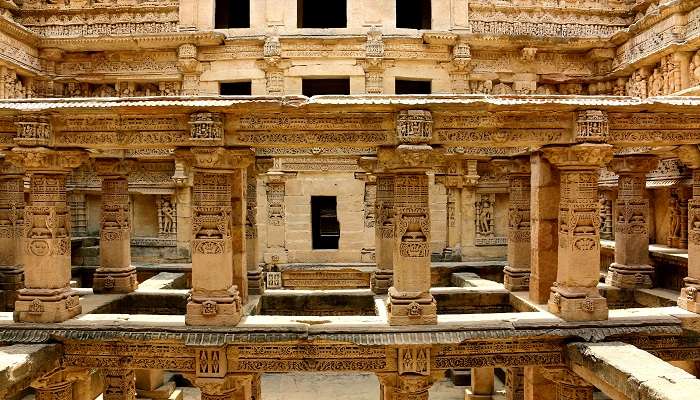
[[631, 268], [515, 383], [454, 182], [238, 230], [47, 296], [229, 387], [606, 225], [690, 296], [189, 66], [544, 211], [516, 275], [115, 274], [183, 197], [256, 283], [404, 387], [276, 249], [575, 295], [58, 384], [384, 233], [215, 298], [569, 385], [120, 384], [468, 203], [11, 222]]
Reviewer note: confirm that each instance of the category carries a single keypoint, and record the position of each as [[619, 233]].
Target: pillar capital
[[41, 159], [224, 388], [634, 164], [519, 166], [579, 156]]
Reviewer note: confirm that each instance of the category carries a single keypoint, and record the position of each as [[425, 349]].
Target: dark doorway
[[234, 88], [232, 14], [413, 14], [405, 86], [316, 87], [325, 228], [322, 14]]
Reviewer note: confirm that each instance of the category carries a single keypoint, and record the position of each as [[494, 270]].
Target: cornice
[[18, 31], [147, 41]]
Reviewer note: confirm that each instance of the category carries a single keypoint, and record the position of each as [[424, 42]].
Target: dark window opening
[[413, 14], [325, 228], [404, 86], [234, 88], [317, 87], [232, 14], [322, 14]]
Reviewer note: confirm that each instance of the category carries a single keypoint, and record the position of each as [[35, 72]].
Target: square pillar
[[536, 386], [47, 296], [256, 284], [384, 233], [632, 268], [544, 212], [275, 190], [11, 222], [215, 297], [404, 386], [115, 274], [468, 203], [482, 384], [238, 232], [690, 296], [575, 296], [516, 275]]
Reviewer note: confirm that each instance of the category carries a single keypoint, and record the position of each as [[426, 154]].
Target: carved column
[[276, 251], [183, 195], [189, 66], [47, 296], [631, 268], [115, 274], [410, 301], [229, 387], [454, 182], [238, 230], [256, 284], [515, 383], [575, 295], [569, 385], [404, 386], [468, 203], [516, 275], [215, 298], [11, 222], [384, 233], [120, 384], [690, 294]]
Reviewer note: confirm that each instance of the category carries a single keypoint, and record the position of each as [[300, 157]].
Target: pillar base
[[112, 280], [576, 306], [630, 277], [382, 281], [256, 281], [215, 311], [515, 279], [690, 295], [46, 305], [411, 311]]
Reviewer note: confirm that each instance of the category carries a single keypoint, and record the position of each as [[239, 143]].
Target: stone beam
[[623, 371], [20, 364]]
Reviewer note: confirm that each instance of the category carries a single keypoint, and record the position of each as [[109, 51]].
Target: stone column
[[276, 251], [384, 233], [215, 298], [690, 298], [482, 384], [631, 268], [47, 296], [11, 221], [404, 387], [536, 386], [544, 199], [120, 384], [256, 284], [516, 275], [569, 385], [183, 198], [453, 182], [229, 387], [575, 295], [238, 231], [515, 389], [468, 203], [115, 274]]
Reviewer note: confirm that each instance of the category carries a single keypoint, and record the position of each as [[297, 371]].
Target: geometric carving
[[592, 126], [414, 360], [210, 362], [414, 126], [206, 127]]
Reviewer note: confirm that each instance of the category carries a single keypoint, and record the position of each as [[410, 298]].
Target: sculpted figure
[[168, 216]]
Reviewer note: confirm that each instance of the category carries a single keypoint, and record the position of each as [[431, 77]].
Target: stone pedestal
[[215, 298], [120, 384], [690, 294], [516, 275], [47, 296], [631, 268], [482, 384], [575, 295], [115, 274], [11, 221], [569, 385], [468, 204], [544, 213], [410, 301], [384, 234]]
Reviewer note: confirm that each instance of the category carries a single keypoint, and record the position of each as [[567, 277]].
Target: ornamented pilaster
[[274, 178], [516, 275], [274, 66], [460, 67], [575, 296], [120, 384], [215, 298], [606, 224], [453, 181], [47, 296], [404, 386], [515, 383], [11, 222], [115, 274], [569, 385], [631, 268], [189, 66], [256, 283], [384, 233], [690, 294]]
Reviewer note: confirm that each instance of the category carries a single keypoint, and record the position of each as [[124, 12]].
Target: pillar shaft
[[575, 296], [536, 386], [690, 293], [410, 298], [120, 384], [384, 233], [404, 387], [11, 221], [275, 190], [515, 383], [631, 268], [516, 275], [482, 384], [115, 274], [256, 285]]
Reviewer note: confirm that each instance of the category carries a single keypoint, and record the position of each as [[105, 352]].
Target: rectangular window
[[405, 86], [232, 14], [322, 14], [325, 228], [413, 14], [234, 88], [316, 87]]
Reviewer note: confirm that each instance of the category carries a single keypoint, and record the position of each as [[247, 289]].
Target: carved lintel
[[217, 158], [409, 157], [113, 167], [580, 156], [42, 159]]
